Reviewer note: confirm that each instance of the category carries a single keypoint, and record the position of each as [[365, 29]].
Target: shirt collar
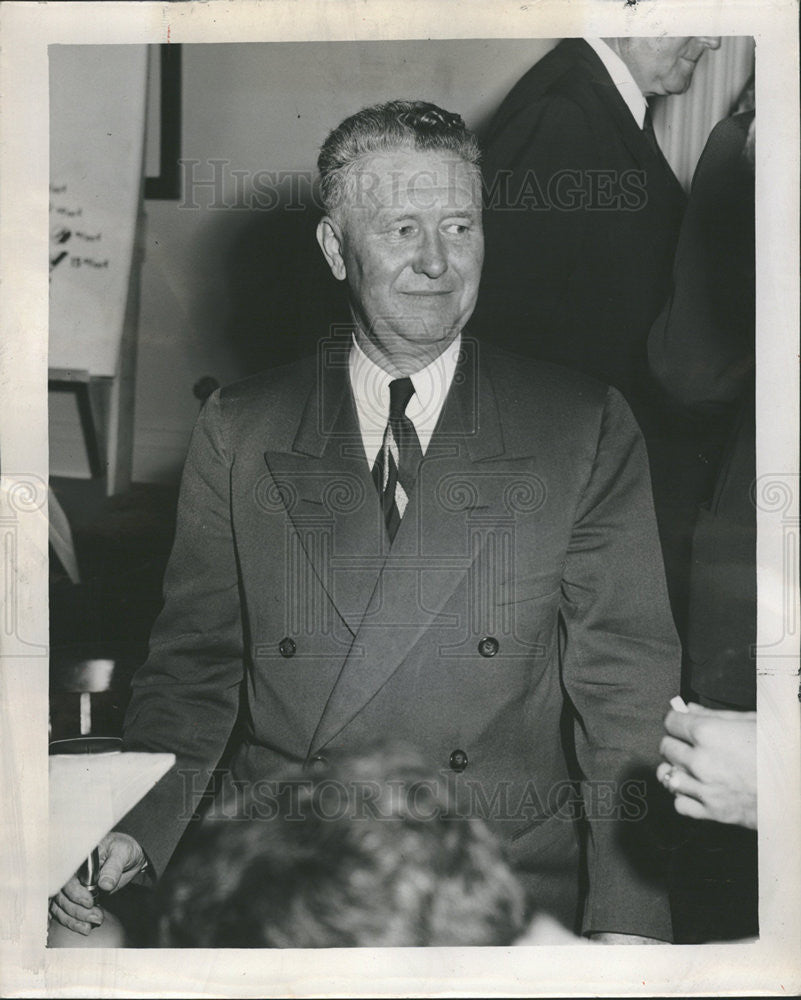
[[370, 385], [622, 78]]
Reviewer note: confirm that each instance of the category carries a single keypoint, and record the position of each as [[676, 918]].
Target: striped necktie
[[395, 468]]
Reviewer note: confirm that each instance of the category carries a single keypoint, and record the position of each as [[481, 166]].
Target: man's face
[[409, 241], [664, 65]]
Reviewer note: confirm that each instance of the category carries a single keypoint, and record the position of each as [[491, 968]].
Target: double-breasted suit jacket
[[517, 631]]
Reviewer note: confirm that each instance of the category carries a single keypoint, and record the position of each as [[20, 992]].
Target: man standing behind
[[415, 537], [583, 215], [583, 210]]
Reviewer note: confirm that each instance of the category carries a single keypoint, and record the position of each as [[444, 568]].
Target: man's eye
[[457, 228], [405, 230]]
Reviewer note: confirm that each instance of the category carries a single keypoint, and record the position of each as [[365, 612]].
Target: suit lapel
[[432, 551], [326, 487], [632, 135]]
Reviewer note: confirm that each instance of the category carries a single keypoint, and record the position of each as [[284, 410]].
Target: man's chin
[[426, 335], [408, 349], [682, 83]]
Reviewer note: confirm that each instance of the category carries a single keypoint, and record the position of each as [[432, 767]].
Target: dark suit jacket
[[581, 224], [701, 349], [525, 578]]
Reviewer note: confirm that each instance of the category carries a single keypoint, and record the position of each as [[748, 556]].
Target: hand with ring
[[709, 764]]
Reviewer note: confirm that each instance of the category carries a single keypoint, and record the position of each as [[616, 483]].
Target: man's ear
[[329, 236]]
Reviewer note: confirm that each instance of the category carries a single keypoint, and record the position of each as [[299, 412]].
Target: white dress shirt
[[622, 78], [370, 385]]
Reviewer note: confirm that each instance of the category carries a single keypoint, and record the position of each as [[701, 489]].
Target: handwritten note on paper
[[70, 244], [97, 127]]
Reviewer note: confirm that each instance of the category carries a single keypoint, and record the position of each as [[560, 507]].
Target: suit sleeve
[[185, 698], [621, 666]]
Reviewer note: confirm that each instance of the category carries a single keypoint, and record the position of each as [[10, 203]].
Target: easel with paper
[[97, 128]]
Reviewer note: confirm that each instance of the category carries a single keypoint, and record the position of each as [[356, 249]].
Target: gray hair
[[384, 128]]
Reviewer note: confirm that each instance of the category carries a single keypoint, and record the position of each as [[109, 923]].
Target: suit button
[[458, 760], [287, 647], [319, 762], [488, 646]]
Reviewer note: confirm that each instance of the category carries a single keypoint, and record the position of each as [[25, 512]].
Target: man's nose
[[430, 257], [710, 41]]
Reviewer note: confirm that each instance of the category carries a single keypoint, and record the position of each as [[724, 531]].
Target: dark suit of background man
[[476, 575], [702, 350], [583, 214]]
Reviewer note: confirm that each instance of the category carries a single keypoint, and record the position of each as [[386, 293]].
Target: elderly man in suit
[[414, 536]]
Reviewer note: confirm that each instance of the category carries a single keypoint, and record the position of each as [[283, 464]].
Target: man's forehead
[[413, 178]]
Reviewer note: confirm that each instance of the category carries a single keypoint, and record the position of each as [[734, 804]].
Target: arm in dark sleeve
[[185, 697], [620, 663]]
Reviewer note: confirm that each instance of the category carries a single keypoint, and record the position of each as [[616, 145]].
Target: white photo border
[[768, 966]]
